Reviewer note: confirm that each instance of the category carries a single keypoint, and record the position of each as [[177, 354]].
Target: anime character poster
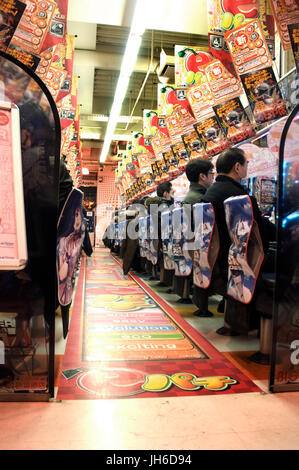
[[166, 236], [212, 136], [70, 235], [234, 121], [264, 95], [204, 220], [180, 230], [142, 236], [240, 223]]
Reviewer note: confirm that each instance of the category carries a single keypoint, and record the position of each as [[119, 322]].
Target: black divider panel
[[28, 297], [285, 347]]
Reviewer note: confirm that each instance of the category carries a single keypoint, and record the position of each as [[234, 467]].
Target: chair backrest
[[206, 244], [166, 237], [181, 256], [122, 230], [152, 253], [142, 236], [116, 234], [246, 252]]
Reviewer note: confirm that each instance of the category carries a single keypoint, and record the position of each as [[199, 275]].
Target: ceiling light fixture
[[127, 66]]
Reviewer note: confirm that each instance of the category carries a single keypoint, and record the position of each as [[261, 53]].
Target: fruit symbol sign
[[189, 65]]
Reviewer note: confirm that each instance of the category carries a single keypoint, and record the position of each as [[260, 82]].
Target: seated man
[[231, 167]]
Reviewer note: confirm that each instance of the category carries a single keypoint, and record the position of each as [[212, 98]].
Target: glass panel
[[27, 296], [285, 357]]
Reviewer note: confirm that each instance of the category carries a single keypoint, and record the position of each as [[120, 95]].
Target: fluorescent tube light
[[133, 45]]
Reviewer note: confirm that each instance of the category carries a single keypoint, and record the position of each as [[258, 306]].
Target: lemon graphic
[[227, 20], [189, 77]]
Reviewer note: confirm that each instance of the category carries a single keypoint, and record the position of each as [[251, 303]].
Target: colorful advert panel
[[212, 136], [264, 95], [226, 15], [285, 12], [234, 121], [194, 145], [201, 100], [34, 25], [189, 64], [11, 13], [222, 83], [248, 48]]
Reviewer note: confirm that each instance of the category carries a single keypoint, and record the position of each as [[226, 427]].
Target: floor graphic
[[125, 341]]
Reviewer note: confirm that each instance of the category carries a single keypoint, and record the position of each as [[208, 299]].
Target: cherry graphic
[[195, 61]]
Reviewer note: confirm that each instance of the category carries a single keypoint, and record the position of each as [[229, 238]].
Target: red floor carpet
[[125, 341]]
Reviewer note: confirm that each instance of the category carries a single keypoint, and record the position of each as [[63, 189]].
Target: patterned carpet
[[125, 341]]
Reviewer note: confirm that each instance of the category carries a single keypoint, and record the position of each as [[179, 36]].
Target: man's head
[[165, 190], [200, 171], [232, 162]]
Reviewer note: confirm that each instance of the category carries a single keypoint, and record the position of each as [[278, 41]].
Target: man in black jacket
[[200, 173], [231, 167]]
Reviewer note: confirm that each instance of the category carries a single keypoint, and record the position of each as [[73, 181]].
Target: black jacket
[[223, 188], [195, 194]]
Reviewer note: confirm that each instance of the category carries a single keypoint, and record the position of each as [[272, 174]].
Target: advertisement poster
[[10, 15], [57, 30], [181, 154], [156, 144], [189, 63], [70, 235], [201, 100], [222, 83], [226, 15], [150, 122], [68, 63], [34, 25], [163, 168], [168, 97], [264, 95], [204, 225], [248, 48], [210, 133], [185, 118], [174, 128], [172, 163], [144, 163], [8, 226], [194, 145], [293, 30], [239, 220], [234, 121], [285, 12]]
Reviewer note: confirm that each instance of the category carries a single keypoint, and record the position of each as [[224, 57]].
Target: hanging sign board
[[13, 243]]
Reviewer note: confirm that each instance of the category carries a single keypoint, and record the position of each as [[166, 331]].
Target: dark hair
[[196, 167], [228, 158], [162, 187]]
